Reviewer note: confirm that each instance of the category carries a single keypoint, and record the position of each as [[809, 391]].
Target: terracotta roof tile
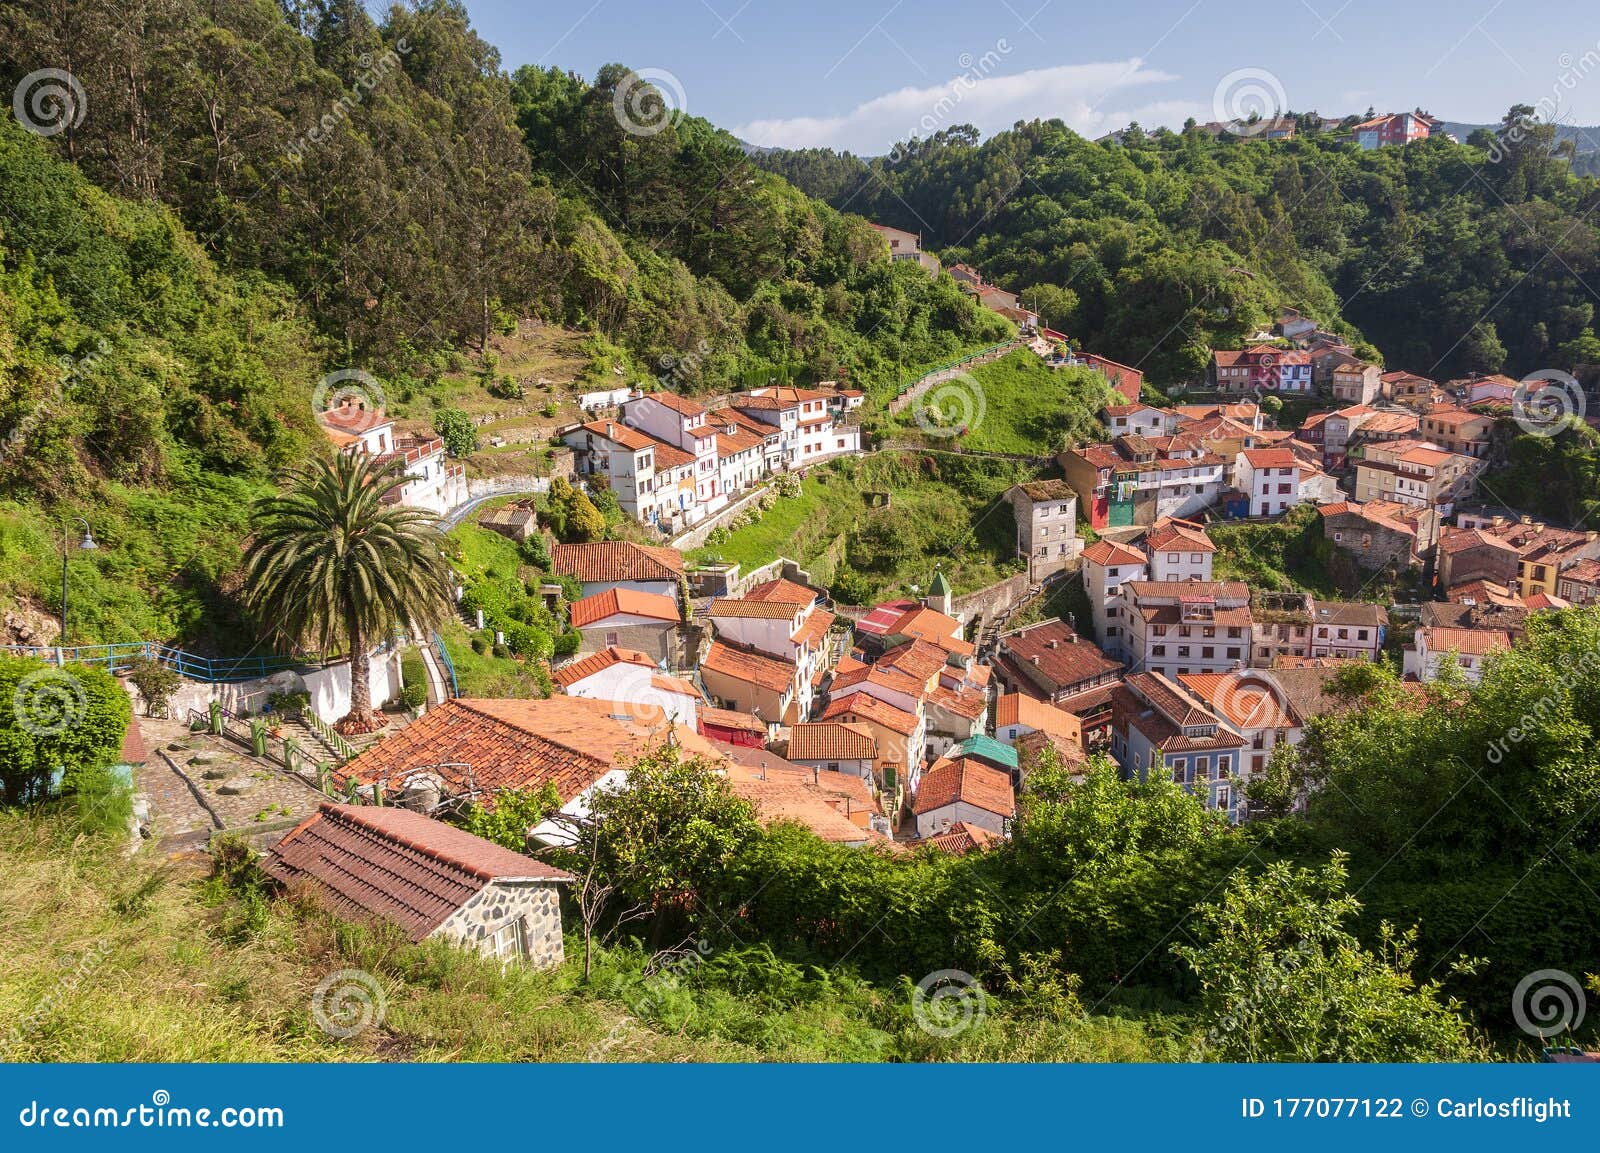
[[751, 667], [616, 560], [1017, 709], [623, 602], [831, 741], [394, 865], [973, 782], [585, 667], [870, 708]]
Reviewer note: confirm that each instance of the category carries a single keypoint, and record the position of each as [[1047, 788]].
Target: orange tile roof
[[630, 438], [623, 602], [681, 405], [731, 719], [585, 667], [916, 658], [966, 780], [568, 742], [871, 708], [1475, 642], [730, 607], [1270, 457], [831, 741], [782, 591], [1017, 709], [775, 802], [1109, 553], [1245, 699], [961, 838], [813, 628], [751, 667], [1170, 531], [616, 560], [968, 703]]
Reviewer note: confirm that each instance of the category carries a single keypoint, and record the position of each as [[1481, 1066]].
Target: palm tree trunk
[[359, 719]]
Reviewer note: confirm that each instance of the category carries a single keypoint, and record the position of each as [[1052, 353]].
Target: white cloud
[[1078, 94]]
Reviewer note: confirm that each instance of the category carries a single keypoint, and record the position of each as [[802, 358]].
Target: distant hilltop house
[[1393, 128], [905, 245], [432, 482]]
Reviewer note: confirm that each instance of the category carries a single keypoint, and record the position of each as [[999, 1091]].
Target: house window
[[613, 638], [510, 940]]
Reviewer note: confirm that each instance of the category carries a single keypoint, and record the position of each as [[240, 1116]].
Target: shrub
[[156, 684]]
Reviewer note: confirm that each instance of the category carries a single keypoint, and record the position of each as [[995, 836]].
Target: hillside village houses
[[433, 483], [672, 462], [875, 726]]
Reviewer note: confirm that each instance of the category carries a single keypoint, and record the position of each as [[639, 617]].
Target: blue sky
[[865, 73]]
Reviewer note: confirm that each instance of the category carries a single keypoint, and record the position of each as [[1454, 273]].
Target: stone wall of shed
[[537, 903]]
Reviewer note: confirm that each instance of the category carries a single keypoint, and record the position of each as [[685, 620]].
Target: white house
[[623, 455], [1270, 477], [1181, 627], [1435, 647], [1106, 566], [1179, 550], [631, 678]]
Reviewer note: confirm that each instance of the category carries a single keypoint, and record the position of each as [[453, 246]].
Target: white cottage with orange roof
[[1106, 565], [432, 481]]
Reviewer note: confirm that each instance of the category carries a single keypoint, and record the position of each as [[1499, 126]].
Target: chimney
[[816, 774], [1052, 643], [611, 429], [1034, 660]]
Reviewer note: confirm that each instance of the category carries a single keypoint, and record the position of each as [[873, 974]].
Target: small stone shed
[[430, 878]]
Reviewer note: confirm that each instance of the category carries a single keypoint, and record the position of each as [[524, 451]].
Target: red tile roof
[[630, 438], [585, 667], [1109, 553], [731, 719], [961, 838], [1057, 654], [567, 742], [1170, 533], [751, 667], [871, 708], [1474, 642], [1270, 457], [395, 865], [623, 602], [973, 782], [616, 560], [782, 591], [831, 741]]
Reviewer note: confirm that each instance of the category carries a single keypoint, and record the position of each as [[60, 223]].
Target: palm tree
[[335, 566]]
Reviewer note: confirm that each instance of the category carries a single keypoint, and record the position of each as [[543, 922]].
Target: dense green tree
[[60, 724]]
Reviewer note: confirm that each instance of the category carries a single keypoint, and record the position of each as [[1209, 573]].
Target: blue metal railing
[[449, 665], [120, 657]]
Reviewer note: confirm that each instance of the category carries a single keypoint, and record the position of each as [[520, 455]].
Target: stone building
[[369, 862], [1047, 525]]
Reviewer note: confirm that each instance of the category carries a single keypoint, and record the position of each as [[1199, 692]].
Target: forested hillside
[[1155, 251], [415, 196]]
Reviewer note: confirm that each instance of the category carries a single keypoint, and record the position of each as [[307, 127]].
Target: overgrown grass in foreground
[[106, 960]]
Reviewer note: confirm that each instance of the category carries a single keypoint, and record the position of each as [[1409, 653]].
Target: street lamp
[[87, 544]]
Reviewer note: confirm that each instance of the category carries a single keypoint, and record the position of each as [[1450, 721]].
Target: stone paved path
[[237, 792]]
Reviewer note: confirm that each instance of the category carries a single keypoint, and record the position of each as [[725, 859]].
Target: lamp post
[[87, 544]]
